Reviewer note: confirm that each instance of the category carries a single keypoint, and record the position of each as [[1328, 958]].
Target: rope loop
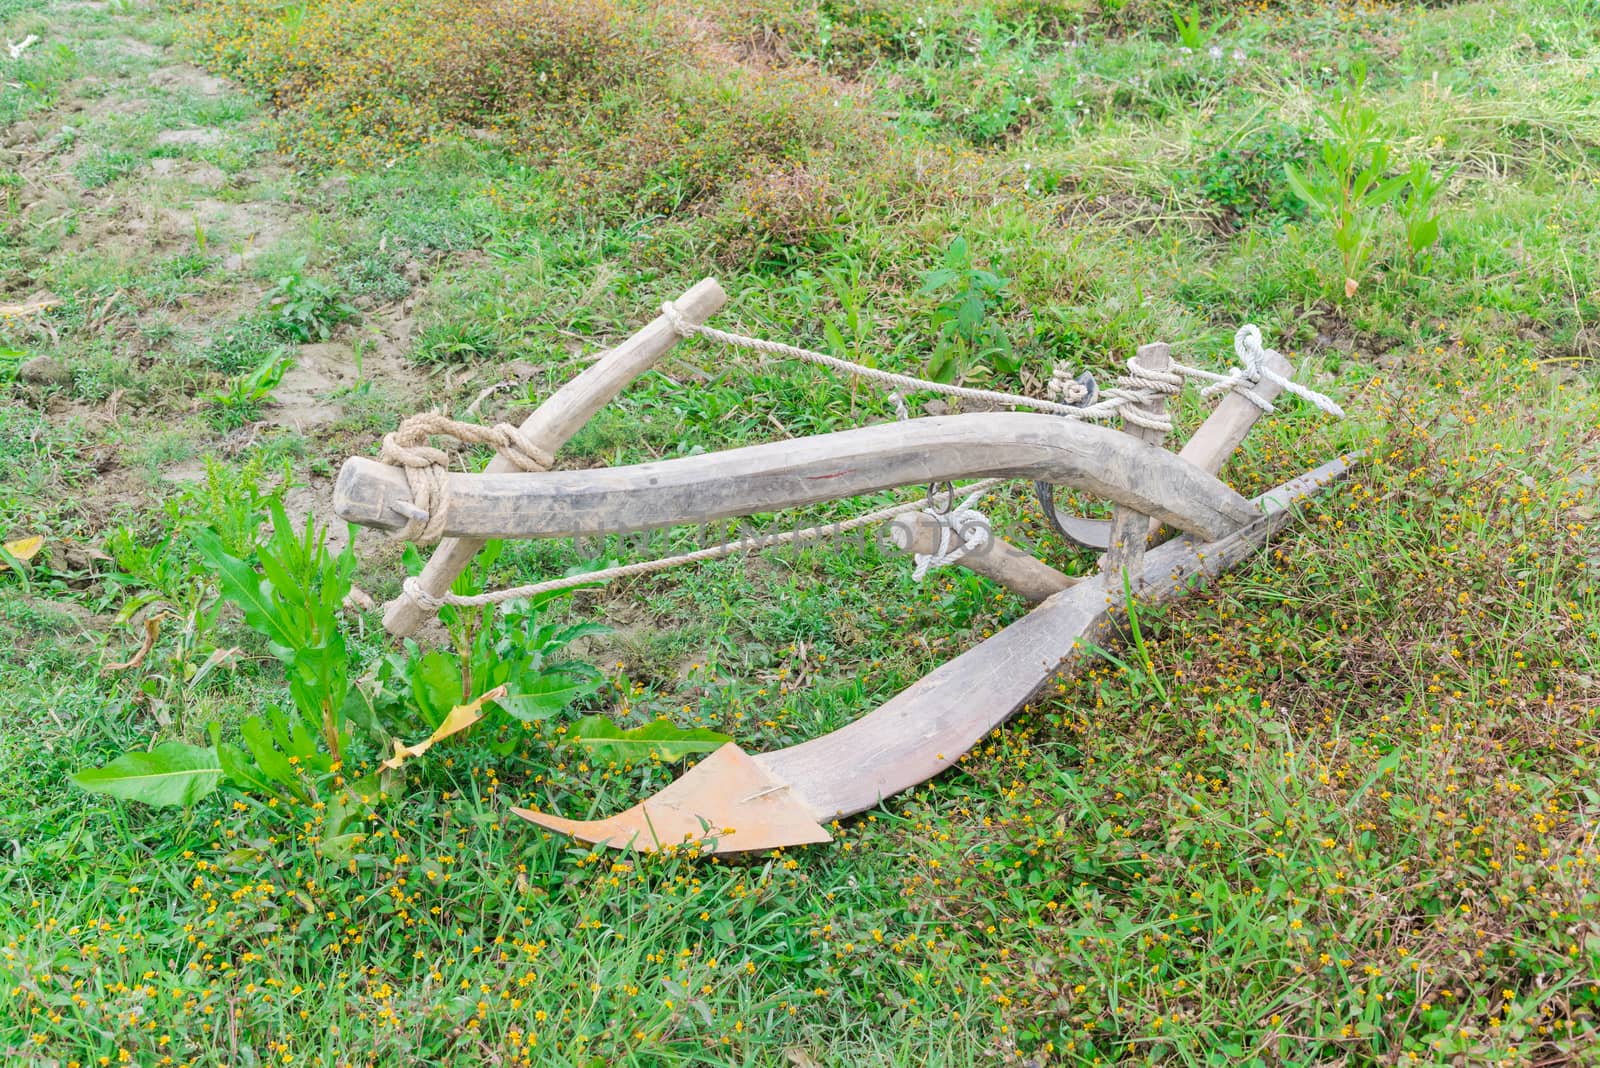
[[962, 530], [1068, 388], [427, 467]]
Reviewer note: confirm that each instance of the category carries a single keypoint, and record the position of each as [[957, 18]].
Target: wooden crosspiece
[[551, 426]]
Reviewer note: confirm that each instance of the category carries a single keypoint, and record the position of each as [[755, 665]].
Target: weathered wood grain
[[787, 474], [551, 425]]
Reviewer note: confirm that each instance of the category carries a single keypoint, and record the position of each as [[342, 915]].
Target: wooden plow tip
[[734, 801], [727, 803]]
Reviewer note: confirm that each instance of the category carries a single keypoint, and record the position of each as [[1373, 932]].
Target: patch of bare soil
[[206, 135], [133, 223], [172, 206], [309, 395], [185, 76], [195, 173]]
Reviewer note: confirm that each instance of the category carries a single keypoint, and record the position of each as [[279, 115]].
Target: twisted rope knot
[[962, 530], [412, 587], [427, 467], [1065, 387], [1252, 354], [1140, 384], [901, 412], [675, 318]]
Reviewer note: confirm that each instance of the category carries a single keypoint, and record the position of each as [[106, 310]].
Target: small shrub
[[375, 274], [306, 308], [1244, 177], [786, 205], [1349, 185], [103, 168], [965, 320], [364, 81], [240, 401], [248, 343], [449, 341], [699, 135]]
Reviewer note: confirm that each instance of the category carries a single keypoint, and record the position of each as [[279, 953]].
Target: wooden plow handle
[[550, 426]]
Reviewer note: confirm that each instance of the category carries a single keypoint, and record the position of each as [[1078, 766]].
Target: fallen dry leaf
[[460, 718], [152, 630], [23, 549], [1350, 287]]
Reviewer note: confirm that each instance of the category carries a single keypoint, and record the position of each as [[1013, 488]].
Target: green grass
[[1335, 808]]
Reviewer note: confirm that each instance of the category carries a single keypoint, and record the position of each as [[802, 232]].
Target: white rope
[[962, 530], [1247, 345], [430, 603], [1065, 387], [901, 412], [426, 467], [684, 328], [1139, 385]]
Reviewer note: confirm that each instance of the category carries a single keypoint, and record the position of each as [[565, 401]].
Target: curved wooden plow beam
[[734, 801], [787, 474]]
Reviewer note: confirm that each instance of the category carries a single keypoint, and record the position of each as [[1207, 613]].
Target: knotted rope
[[962, 530], [426, 467], [1140, 384], [1247, 345]]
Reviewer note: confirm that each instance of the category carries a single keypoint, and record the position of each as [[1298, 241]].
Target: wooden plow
[[738, 801]]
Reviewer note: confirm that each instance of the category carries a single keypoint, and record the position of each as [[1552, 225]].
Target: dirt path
[[148, 201]]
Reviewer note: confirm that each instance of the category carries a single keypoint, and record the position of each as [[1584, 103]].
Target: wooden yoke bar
[[552, 424]]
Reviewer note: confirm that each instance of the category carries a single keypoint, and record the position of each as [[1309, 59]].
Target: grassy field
[[1337, 809]]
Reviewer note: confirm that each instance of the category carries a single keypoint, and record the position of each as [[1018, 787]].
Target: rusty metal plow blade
[[726, 803]]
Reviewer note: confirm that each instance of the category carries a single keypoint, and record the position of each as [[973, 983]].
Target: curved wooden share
[[786, 474], [736, 801]]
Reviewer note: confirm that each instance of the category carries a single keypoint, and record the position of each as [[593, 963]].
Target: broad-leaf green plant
[[305, 308], [1350, 187], [604, 741], [516, 647], [294, 601], [968, 336]]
